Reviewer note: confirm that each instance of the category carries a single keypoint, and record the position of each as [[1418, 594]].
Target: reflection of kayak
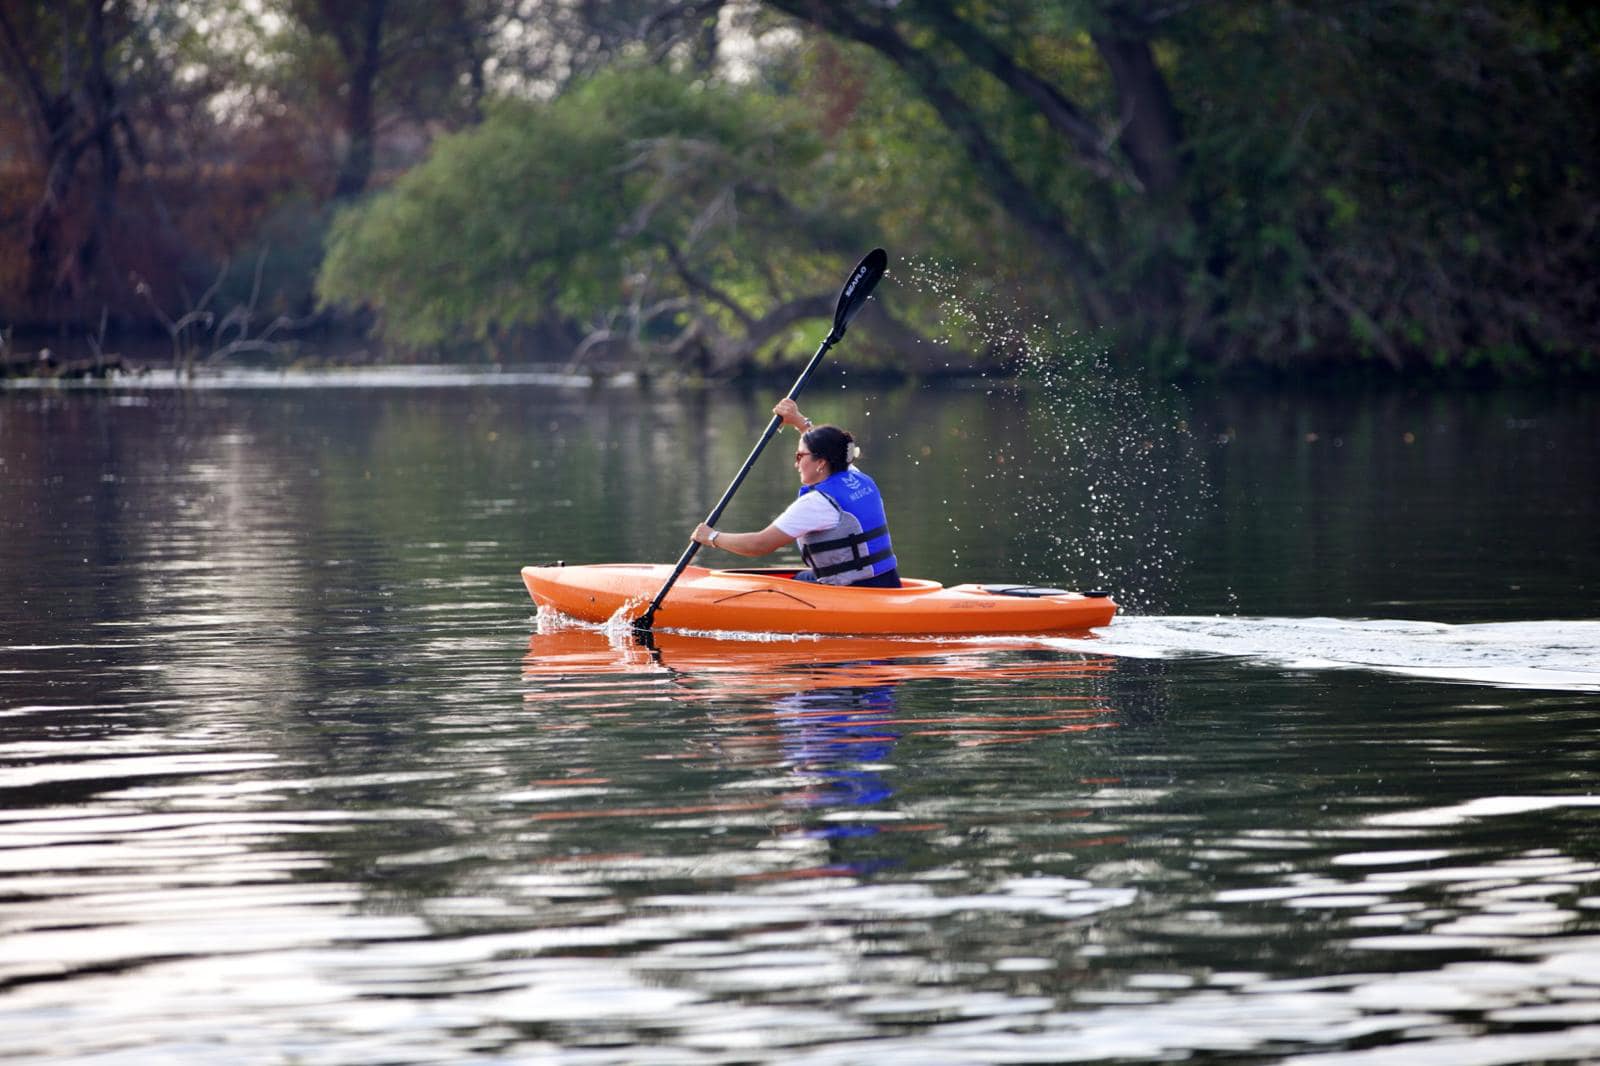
[[733, 667], [772, 601]]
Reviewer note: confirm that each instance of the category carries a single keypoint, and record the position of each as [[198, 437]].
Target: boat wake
[[1562, 655], [1551, 655]]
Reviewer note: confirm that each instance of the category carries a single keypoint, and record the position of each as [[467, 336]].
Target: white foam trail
[[1562, 655]]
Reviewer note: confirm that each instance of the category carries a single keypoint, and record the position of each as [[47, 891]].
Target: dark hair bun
[[831, 444]]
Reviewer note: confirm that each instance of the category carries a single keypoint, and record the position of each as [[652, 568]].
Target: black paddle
[[862, 281]]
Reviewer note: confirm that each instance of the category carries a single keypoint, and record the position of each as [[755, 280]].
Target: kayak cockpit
[[907, 584]]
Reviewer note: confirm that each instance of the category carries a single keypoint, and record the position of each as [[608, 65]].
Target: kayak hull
[[771, 601]]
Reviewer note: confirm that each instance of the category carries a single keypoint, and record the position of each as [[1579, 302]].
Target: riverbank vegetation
[[677, 187]]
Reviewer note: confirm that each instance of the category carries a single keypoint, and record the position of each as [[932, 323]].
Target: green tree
[[1409, 184], [1126, 144], [1277, 181], [658, 214]]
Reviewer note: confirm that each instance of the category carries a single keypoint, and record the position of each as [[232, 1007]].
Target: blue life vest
[[857, 547]]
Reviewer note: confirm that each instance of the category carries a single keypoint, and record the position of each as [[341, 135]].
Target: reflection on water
[[817, 720], [291, 771]]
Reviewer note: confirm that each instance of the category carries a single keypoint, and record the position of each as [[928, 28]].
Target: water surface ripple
[[290, 771]]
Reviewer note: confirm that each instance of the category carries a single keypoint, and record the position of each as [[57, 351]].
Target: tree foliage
[[1386, 192], [652, 211], [1405, 184], [1277, 181]]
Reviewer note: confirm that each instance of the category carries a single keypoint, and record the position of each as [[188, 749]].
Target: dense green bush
[[660, 208]]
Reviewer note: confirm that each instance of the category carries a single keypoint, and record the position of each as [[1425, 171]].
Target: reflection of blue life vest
[[835, 736], [858, 546]]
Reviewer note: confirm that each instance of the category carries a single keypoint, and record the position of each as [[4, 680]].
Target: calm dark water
[[290, 770]]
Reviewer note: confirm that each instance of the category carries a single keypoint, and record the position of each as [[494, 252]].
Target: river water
[[292, 772]]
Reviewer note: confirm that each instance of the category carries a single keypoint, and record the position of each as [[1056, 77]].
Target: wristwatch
[[712, 538]]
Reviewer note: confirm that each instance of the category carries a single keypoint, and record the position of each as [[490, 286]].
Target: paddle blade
[[854, 297]]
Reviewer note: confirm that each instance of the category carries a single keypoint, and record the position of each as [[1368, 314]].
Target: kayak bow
[[771, 601]]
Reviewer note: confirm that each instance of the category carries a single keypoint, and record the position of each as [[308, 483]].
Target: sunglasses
[[801, 455]]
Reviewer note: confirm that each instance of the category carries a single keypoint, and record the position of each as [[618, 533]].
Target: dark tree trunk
[[47, 219], [69, 126], [1064, 116], [95, 254], [1142, 153], [1032, 211], [363, 54], [1152, 133], [1152, 139]]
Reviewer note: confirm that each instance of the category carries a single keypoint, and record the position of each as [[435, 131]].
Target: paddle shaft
[[863, 279], [648, 618]]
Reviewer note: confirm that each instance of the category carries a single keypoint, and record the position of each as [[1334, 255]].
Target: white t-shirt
[[809, 513]]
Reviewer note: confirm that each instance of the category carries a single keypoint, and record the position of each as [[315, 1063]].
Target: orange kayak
[[771, 601]]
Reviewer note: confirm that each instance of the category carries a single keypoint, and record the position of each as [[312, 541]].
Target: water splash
[[1121, 456], [1123, 486]]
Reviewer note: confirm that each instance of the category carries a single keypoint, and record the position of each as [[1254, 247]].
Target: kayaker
[[837, 519]]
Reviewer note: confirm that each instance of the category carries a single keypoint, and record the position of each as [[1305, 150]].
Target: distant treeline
[[1273, 186]]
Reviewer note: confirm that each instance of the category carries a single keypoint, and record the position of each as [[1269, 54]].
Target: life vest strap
[[851, 541], [853, 564]]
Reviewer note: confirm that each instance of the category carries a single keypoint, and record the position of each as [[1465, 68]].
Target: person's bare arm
[[763, 542]]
